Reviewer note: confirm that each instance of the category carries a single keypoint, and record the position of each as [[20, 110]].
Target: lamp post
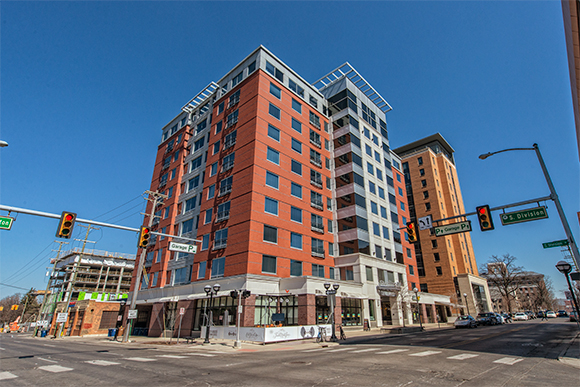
[[3, 144], [565, 268], [553, 196], [210, 292], [466, 305], [330, 295], [418, 309]]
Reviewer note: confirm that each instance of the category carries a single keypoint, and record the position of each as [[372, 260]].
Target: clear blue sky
[[87, 86]]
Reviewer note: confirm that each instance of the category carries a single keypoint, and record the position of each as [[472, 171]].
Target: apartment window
[[296, 146], [275, 91], [226, 186], [376, 229], [378, 251], [223, 212], [201, 270], [271, 206], [296, 125], [210, 191], [237, 79], [358, 179], [272, 180], [434, 243], [369, 150], [216, 147], [397, 236], [268, 264], [436, 257], [370, 169], [232, 119], [220, 108], [423, 183], [331, 253], [425, 194], [439, 270], [218, 267], [208, 215], [273, 155], [316, 223], [195, 163], [427, 206], [315, 178], [193, 183], [315, 139], [369, 273], [230, 139], [315, 158], [274, 111], [374, 208], [273, 133], [221, 239], [313, 101], [379, 174], [228, 162], [317, 247], [295, 268], [385, 232], [402, 205], [296, 190], [420, 160], [296, 106], [274, 71], [314, 120], [190, 204], [377, 156], [296, 214], [381, 192], [296, 167], [296, 242], [372, 188], [317, 270], [421, 172], [205, 242], [295, 88], [316, 200], [213, 169], [270, 234]]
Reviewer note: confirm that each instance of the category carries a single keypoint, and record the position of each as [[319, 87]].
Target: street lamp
[[3, 144], [565, 268], [418, 309], [553, 196], [210, 292], [466, 305], [330, 296]]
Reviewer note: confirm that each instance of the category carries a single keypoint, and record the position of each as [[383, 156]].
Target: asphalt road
[[518, 354]]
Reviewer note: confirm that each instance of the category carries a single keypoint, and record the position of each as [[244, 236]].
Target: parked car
[[550, 314], [499, 318], [573, 316], [540, 314], [520, 316], [465, 322], [506, 317], [531, 315], [562, 313], [488, 318]]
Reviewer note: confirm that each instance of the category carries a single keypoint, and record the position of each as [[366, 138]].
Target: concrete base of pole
[[237, 344]]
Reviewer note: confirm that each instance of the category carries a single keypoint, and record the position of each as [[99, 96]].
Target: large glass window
[[270, 234], [273, 155], [296, 106], [296, 190], [275, 91], [274, 132], [268, 264], [295, 268], [272, 180], [296, 242], [296, 167], [296, 214], [218, 267], [271, 206], [274, 111]]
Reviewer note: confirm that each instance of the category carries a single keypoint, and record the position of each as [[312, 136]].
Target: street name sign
[[6, 222], [425, 223], [453, 228], [182, 248], [563, 242], [524, 215]]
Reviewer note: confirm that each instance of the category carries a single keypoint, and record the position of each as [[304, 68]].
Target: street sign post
[[182, 248], [563, 242], [6, 222], [453, 228], [524, 215]]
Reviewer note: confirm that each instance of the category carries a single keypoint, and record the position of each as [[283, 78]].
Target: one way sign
[[425, 223]]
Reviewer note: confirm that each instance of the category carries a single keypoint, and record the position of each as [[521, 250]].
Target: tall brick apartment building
[[446, 264], [288, 185]]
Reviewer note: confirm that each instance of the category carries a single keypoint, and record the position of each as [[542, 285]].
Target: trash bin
[[43, 333], [112, 332]]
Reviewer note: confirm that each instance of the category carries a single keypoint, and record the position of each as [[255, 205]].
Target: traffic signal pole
[[155, 197]]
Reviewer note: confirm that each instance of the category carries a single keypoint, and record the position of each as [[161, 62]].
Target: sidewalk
[[228, 345], [571, 354]]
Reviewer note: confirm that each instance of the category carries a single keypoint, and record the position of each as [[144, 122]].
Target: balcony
[[317, 204], [227, 166], [229, 143], [316, 183], [318, 252], [316, 162], [220, 244], [316, 143], [225, 190], [317, 228]]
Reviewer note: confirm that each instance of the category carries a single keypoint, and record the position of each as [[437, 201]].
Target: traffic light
[[14, 307], [144, 236], [412, 232], [234, 294], [65, 227], [484, 217], [246, 293]]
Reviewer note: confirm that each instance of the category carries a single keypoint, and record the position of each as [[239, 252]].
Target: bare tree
[[544, 297], [503, 274], [7, 315]]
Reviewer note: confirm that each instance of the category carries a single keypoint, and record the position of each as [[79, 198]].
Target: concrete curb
[[572, 358]]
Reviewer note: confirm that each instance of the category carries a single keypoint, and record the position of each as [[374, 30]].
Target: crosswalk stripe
[[101, 362], [392, 351], [366, 350], [315, 350], [173, 356], [508, 360], [201, 354], [140, 359], [55, 368], [7, 375], [341, 349], [462, 356], [425, 353]]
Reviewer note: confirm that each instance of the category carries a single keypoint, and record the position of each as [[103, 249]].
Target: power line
[[12, 286], [28, 264], [135, 198], [138, 205]]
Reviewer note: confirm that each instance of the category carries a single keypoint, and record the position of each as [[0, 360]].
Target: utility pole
[[154, 197], [48, 287], [69, 287]]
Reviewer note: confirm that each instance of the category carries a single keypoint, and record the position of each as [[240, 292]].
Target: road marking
[[508, 360], [484, 337], [462, 356], [201, 354], [315, 350], [425, 353], [173, 356], [366, 350], [55, 368], [48, 345], [2, 349], [140, 359], [7, 375], [341, 349], [392, 351], [101, 362], [51, 361]]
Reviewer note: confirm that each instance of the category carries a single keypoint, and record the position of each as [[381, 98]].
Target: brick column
[[156, 320], [423, 313], [338, 312], [434, 312], [249, 307], [306, 309]]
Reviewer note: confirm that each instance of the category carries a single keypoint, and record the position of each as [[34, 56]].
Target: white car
[[520, 317], [550, 314]]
